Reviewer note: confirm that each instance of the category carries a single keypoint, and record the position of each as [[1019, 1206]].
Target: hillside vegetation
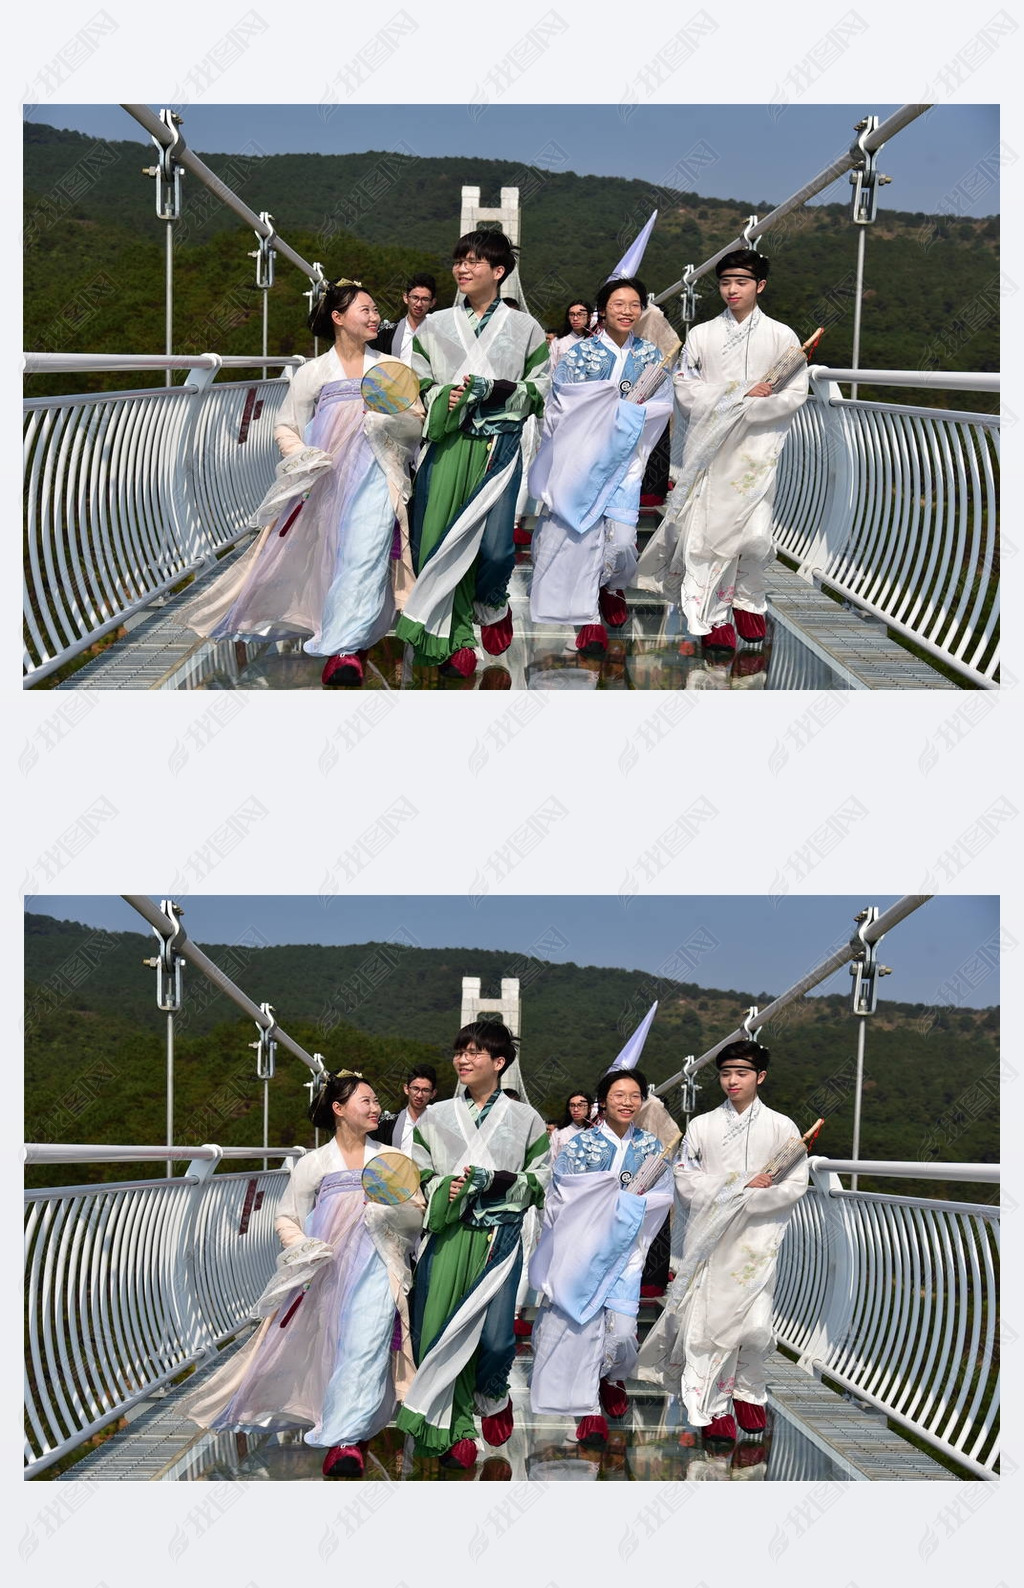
[[95, 1043], [94, 252]]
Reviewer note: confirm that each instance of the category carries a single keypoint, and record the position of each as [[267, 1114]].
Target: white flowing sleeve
[[691, 1180], [691, 387], [296, 1205], [297, 409]]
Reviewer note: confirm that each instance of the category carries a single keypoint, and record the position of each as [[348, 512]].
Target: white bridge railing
[[892, 508], [895, 509], [894, 1298], [128, 1284], [126, 493]]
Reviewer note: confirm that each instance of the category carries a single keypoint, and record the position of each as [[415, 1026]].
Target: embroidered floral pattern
[[593, 359], [755, 470], [754, 1262], [591, 1150]]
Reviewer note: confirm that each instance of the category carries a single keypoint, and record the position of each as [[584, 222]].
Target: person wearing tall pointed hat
[[711, 1342], [590, 1257], [483, 370], [589, 468], [711, 551]]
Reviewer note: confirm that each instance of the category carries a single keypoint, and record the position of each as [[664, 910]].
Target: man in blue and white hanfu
[[589, 469], [589, 1262]]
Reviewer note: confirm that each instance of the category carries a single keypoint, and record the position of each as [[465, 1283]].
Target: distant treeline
[[94, 253], [95, 1046]]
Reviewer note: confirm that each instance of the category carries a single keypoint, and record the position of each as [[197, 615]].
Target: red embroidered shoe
[[751, 1417], [343, 670], [592, 640], [722, 638], [522, 1328], [497, 1429], [613, 607], [521, 536], [497, 637], [721, 1428], [592, 1433], [344, 1461], [750, 625], [460, 665], [462, 1454], [614, 1399]]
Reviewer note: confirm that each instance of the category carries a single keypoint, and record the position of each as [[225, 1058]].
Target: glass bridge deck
[[653, 651], [652, 1441]]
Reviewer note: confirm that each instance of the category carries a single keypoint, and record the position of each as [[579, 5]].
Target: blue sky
[[764, 944], [939, 163]]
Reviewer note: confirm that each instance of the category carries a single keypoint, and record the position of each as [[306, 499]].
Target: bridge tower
[[507, 1008], [507, 214]]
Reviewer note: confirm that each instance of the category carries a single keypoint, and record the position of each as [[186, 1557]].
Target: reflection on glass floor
[[652, 1442], [653, 651]]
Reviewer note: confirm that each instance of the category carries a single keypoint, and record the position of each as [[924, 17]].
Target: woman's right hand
[[457, 393], [456, 1186]]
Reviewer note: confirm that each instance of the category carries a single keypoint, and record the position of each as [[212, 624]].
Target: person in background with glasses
[[419, 298]]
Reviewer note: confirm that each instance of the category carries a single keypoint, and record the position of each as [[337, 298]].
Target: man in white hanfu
[[712, 1340], [714, 544], [589, 1263], [589, 469]]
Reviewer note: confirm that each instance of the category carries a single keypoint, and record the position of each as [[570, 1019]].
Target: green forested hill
[[930, 292], [95, 1042]]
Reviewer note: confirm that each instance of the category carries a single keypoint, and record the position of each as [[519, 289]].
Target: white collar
[[748, 323], [619, 1141], [618, 351]]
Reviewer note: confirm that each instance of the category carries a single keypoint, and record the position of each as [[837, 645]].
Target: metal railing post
[[194, 1331], [833, 1326]]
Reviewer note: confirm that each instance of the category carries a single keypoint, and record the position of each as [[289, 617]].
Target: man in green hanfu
[[483, 1160], [483, 369]]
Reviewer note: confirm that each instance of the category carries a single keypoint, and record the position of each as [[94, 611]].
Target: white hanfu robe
[[715, 1330], [587, 476], [714, 543], [328, 1358], [588, 1267], [323, 565]]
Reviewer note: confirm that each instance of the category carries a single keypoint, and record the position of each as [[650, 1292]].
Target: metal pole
[[862, 1027], [858, 295], [188, 950], [842, 956], [872, 141], [170, 1091], [191, 162], [169, 306], [266, 1117]]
